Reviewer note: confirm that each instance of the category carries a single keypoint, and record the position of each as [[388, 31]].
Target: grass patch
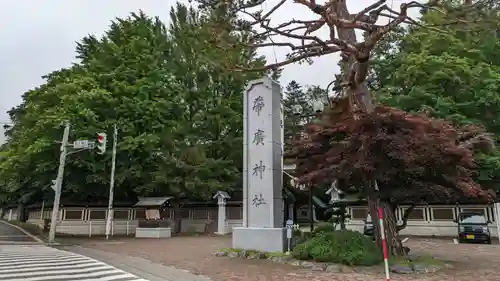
[[252, 252], [230, 250], [275, 254]]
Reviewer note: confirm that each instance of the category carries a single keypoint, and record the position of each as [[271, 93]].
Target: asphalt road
[[12, 235], [22, 258], [42, 263]]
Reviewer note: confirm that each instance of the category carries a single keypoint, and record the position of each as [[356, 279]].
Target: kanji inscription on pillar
[[258, 137], [258, 105], [258, 200], [259, 169], [263, 119]]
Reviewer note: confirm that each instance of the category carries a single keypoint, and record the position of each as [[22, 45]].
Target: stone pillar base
[[158, 232], [259, 239]]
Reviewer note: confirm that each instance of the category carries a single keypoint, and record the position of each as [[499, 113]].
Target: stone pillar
[[262, 227], [221, 220]]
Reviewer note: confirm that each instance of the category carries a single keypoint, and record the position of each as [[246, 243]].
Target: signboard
[[83, 144]]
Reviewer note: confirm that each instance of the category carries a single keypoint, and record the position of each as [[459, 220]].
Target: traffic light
[[101, 143]]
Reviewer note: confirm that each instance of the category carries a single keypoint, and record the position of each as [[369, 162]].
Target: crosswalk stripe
[[45, 265], [42, 263], [30, 261], [6, 242], [7, 257], [29, 269], [93, 274], [58, 271], [112, 278]]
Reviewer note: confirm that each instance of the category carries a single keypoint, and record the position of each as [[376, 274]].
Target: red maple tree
[[412, 158]]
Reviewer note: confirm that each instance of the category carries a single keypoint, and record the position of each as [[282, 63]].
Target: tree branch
[[305, 41], [406, 215]]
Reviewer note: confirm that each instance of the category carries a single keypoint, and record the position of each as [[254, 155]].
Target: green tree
[[298, 107], [177, 115], [295, 104], [452, 74], [206, 154]]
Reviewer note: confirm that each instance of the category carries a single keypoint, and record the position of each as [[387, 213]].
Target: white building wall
[[436, 220]]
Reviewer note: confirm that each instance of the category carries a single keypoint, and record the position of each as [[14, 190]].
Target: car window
[[472, 218]]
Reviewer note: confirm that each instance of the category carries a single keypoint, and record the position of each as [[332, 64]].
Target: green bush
[[326, 227], [299, 237], [344, 246], [301, 252]]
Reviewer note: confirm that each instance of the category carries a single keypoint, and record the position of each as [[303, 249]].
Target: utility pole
[[112, 184], [59, 180]]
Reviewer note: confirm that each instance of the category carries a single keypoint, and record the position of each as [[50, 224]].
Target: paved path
[[12, 235], [138, 266], [42, 263]]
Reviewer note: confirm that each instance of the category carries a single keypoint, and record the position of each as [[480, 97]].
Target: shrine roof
[[152, 201]]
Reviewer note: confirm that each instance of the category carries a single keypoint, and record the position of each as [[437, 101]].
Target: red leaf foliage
[[412, 157]]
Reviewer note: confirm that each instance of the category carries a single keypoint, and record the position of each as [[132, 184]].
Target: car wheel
[[488, 241]]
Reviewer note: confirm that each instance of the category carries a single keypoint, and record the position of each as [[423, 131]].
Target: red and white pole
[[384, 243]]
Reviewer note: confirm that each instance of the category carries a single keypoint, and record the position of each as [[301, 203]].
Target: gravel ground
[[477, 262]]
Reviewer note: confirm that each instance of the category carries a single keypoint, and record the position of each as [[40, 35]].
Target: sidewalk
[[137, 266], [13, 234], [195, 254]]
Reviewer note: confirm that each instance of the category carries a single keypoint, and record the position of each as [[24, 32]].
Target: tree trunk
[[21, 214], [342, 217], [177, 221], [294, 212], [311, 210], [394, 245], [355, 69]]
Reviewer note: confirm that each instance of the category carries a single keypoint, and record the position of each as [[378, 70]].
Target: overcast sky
[[38, 37]]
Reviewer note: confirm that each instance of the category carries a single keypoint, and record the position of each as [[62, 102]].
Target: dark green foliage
[[296, 233], [344, 247], [296, 95], [301, 251], [323, 228], [299, 237], [452, 75]]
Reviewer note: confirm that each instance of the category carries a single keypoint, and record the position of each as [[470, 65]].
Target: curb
[[24, 231]]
